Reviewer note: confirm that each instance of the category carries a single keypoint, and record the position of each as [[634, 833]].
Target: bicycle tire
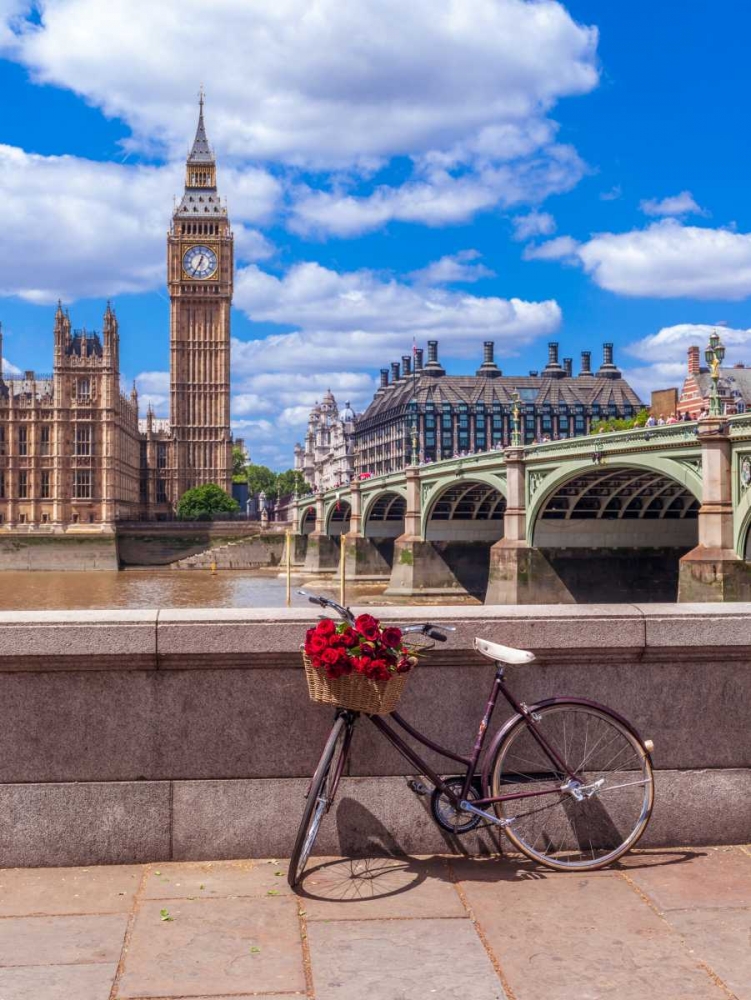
[[321, 793], [561, 830]]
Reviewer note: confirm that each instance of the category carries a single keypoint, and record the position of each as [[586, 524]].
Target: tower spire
[[200, 151]]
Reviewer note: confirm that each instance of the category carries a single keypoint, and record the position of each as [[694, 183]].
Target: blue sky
[[503, 170]]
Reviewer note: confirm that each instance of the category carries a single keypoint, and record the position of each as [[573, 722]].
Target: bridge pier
[[322, 553], [713, 571], [519, 573]]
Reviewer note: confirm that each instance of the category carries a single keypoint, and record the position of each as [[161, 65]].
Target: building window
[[2, 485], [45, 518], [161, 491], [44, 486], [23, 485], [23, 441], [82, 484], [83, 439], [2, 440], [44, 441], [161, 456], [83, 390]]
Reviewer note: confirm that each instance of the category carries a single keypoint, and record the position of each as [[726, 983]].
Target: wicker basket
[[355, 691]]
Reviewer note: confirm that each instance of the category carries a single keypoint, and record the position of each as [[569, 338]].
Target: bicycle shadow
[[376, 865]]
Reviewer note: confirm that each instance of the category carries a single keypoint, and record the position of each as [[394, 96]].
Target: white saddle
[[503, 654]]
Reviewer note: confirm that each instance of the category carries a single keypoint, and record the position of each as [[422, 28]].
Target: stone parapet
[[136, 735]]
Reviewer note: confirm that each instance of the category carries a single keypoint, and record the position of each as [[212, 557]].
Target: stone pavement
[[673, 924]]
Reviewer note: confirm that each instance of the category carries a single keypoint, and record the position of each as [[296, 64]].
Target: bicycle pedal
[[417, 787]]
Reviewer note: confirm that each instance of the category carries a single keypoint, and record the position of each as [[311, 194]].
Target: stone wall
[[70, 551], [160, 544], [188, 734]]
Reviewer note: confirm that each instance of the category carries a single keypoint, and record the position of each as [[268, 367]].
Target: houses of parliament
[[73, 450]]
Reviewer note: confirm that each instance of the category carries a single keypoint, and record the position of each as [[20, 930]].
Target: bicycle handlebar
[[427, 628]]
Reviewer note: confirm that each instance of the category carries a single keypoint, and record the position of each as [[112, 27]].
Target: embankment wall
[[188, 734]]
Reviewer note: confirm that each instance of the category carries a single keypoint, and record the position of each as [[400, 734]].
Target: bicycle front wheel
[[575, 823], [321, 794]]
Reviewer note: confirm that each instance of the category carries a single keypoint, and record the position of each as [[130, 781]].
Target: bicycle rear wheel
[[321, 793], [577, 824]]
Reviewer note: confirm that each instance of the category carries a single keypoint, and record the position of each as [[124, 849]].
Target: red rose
[[335, 640], [316, 644], [326, 626], [392, 637], [367, 625], [317, 662], [349, 638], [404, 665], [330, 656], [378, 670]]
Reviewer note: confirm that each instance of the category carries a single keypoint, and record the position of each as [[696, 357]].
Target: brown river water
[[158, 588]]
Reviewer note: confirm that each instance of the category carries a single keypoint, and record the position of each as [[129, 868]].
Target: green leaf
[[157, 873], [279, 873], [273, 892], [164, 914], [254, 950]]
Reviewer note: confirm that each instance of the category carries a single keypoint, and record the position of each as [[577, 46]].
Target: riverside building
[[419, 413], [327, 457], [72, 448]]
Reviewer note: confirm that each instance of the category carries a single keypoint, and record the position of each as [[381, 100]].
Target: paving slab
[[717, 877], [722, 939], [585, 938], [400, 960], [208, 948], [369, 888], [216, 879], [49, 891], [61, 940], [57, 982]]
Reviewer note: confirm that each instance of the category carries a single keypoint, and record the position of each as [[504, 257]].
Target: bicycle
[[569, 781]]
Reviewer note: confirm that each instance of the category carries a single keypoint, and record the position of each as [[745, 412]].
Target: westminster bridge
[[658, 513]]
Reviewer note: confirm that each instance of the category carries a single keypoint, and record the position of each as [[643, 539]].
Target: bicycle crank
[[468, 807]]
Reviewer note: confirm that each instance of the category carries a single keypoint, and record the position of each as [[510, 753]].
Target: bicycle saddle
[[503, 654]]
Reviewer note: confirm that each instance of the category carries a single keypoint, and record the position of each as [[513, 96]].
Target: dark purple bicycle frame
[[472, 761]]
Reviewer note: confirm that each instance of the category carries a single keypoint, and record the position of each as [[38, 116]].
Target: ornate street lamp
[[516, 431], [714, 354]]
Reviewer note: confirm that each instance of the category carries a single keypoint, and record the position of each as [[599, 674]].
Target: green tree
[[261, 479], [290, 481], [239, 468], [200, 502]]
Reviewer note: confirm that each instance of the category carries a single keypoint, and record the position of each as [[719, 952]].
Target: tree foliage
[[200, 502], [239, 473], [261, 479], [619, 423], [290, 481]]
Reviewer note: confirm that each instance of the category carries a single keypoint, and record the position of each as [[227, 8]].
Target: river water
[[152, 588]]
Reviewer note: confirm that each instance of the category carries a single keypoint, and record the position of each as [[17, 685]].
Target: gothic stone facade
[[442, 416], [72, 449], [327, 458]]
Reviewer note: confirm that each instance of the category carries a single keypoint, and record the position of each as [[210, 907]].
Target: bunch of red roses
[[363, 648]]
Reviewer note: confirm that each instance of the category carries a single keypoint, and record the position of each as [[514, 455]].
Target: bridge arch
[[466, 509], [308, 519], [616, 532], [337, 517], [383, 514]]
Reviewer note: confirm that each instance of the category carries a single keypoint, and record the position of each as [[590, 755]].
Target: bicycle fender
[[490, 754]]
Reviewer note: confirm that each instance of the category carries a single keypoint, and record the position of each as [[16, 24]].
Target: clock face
[[199, 262]]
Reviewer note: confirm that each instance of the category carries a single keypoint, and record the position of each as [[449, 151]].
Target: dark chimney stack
[[694, 360], [406, 365], [384, 380], [394, 372], [418, 359], [586, 363], [568, 366], [433, 367], [488, 368], [607, 368], [553, 369]]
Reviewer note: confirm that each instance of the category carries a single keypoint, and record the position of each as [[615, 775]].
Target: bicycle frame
[[471, 762]]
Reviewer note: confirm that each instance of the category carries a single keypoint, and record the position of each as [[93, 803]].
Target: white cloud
[[438, 197], [665, 354], [534, 224], [9, 369], [317, 82], [613, 194], [358, 319], [670, 260], [678, 204], [452, 269], [85, 228], [153, 391], [561, 248]]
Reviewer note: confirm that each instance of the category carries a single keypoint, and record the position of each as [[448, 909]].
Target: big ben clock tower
[[199, 276]]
